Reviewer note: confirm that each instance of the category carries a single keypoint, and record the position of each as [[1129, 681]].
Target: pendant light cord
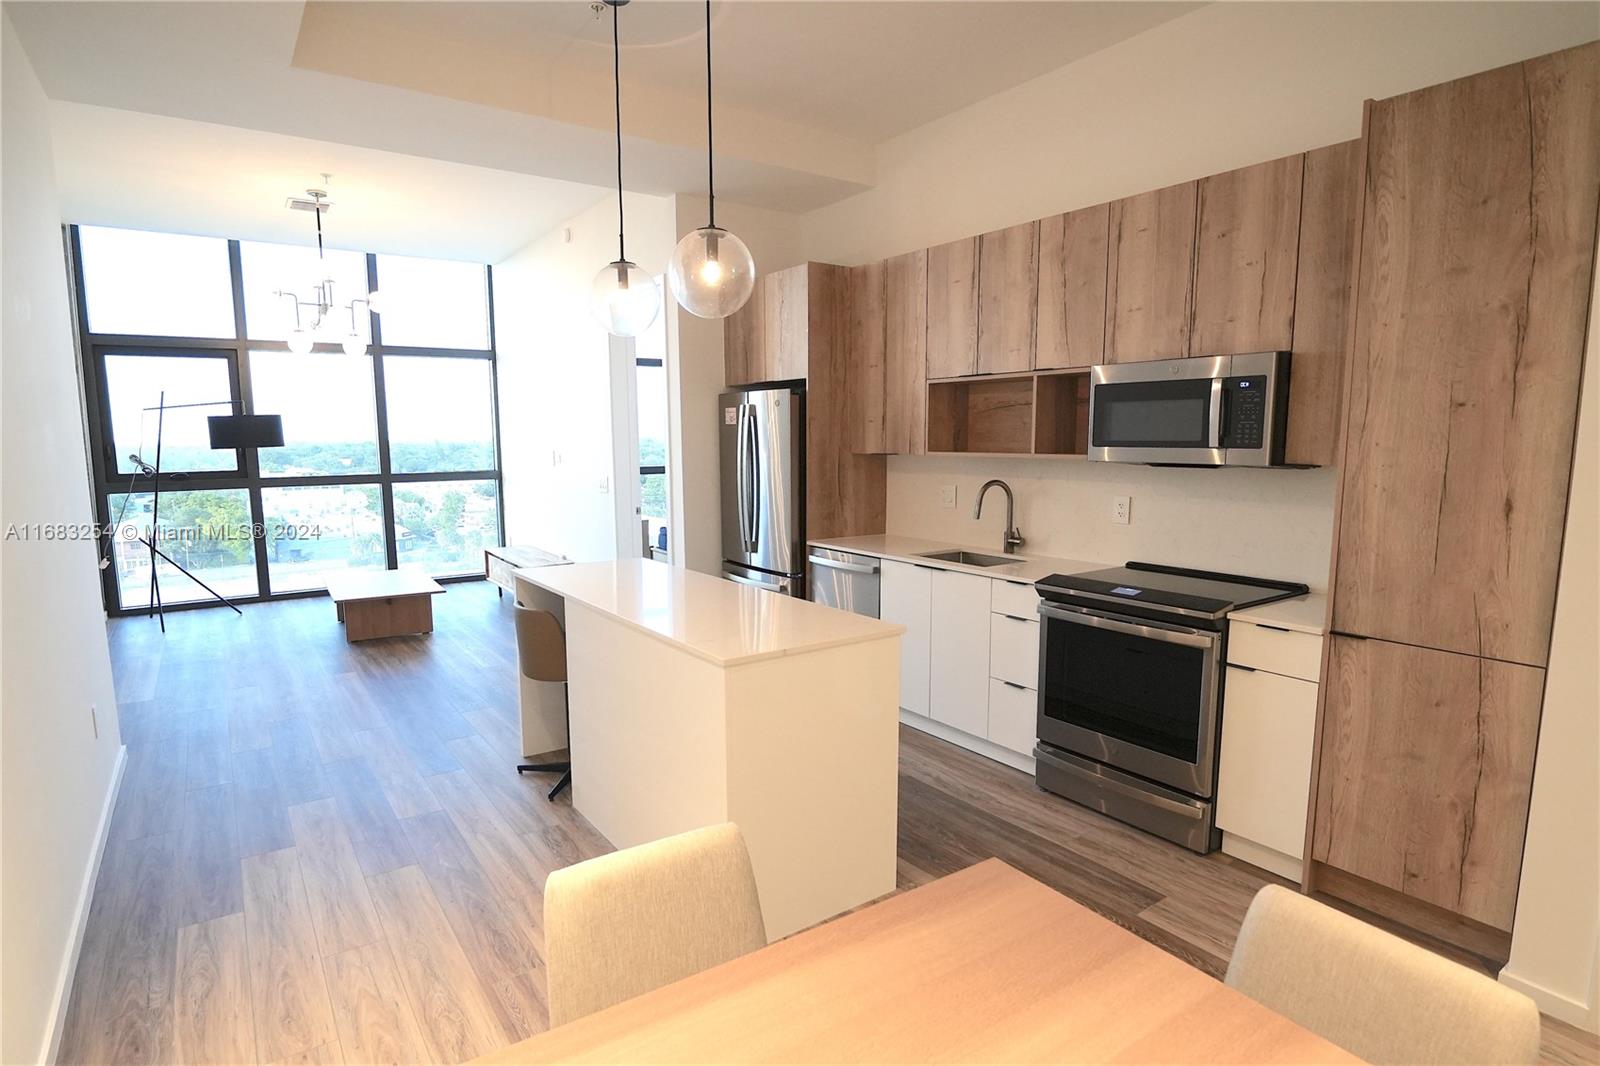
[[616, 81], [711, 175], [318, 213]]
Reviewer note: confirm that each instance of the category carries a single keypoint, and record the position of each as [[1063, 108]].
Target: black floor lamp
[[226, 431]]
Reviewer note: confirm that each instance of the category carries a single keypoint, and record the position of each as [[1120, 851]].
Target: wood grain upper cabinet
[[1478, 239], [1329, 204], [743, 340], [1072, 288], [786, 307], [888, 352], [1150, 292], [1245, 258], [953, 309], [1426, 771], [1008, 294]]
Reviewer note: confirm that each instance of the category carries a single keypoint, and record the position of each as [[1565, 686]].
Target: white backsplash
[[1263, 523]]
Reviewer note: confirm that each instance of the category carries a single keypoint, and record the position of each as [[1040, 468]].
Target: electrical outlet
[[1120, 508], [947, 495], [605, 484]]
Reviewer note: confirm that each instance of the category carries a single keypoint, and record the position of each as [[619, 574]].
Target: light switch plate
[[1120, 508], [947, 496]]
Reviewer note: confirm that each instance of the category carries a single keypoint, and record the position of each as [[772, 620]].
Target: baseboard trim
[[1270, 859], [978, 745], [69, 969], [1572, 1011]]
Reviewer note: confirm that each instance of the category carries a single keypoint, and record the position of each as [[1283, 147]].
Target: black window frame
[[107, 482]]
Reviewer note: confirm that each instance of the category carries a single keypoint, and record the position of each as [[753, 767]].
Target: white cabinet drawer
[[1014, 649], [1013, 716], [1264, 776], [1011, 597], [1280, 651]]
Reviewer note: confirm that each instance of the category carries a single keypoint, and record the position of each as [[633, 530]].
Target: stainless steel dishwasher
[[845, 580]]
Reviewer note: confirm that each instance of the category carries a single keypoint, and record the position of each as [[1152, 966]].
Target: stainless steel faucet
[[1013, 536]]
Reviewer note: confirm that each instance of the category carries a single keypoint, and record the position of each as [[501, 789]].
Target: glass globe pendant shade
[[300, 341], [353, 345], [712, 272], [625, 299]]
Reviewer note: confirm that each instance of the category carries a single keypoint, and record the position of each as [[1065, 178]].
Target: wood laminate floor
[[322, 853]]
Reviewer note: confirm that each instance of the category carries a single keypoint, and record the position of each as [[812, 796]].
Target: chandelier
[[314, 317]]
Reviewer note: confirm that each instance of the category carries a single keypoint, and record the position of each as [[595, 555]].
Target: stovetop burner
[[1154, 587]]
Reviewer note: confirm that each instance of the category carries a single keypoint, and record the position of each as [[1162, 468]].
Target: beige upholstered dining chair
[[1372, 993], [620, 925]]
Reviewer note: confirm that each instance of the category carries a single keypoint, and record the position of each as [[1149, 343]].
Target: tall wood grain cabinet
[[889, 355], [796, 326], [1150, 288], [1474, 274]]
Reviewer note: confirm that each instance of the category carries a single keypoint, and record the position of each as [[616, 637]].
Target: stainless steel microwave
[[1224, 410]]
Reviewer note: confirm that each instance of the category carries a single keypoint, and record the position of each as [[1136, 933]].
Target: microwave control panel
[[1245, 400]]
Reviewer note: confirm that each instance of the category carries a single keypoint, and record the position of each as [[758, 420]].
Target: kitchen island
[[694, 700]]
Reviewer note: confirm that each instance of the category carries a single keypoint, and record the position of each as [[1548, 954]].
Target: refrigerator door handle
[[753, 457], [740, 476]]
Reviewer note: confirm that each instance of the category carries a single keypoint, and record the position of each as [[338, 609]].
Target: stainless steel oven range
[[1130, 691]]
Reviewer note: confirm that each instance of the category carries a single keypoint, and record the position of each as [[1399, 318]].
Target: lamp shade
[[246, 431], [712, 272]]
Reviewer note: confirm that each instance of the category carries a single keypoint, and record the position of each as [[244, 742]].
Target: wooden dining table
[[985, 965]]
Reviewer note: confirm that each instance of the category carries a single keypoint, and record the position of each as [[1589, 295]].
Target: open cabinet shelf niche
[[1021, 414]]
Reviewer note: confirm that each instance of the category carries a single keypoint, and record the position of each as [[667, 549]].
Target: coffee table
[[383, 603]]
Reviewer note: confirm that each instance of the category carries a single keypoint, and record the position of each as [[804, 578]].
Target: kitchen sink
[[971, 558]]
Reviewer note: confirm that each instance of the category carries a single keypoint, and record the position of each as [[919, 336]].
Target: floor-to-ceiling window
[[390, 454], [650, 397]]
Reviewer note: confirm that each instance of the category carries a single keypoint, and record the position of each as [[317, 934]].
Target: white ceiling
[[181, 176], [468, 129]]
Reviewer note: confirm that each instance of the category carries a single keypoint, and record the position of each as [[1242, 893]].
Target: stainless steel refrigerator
[[763, 487]]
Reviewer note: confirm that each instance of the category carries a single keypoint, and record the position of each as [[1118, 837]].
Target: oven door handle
[[1168, 634]]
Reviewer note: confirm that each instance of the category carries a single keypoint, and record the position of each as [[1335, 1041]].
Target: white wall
[[1265, 523], [56, 776], [1227, 85], [696, 377], [558, 373], [1555, 943]]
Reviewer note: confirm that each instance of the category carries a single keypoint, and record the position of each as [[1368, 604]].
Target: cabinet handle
[[1013, 684], [1016, 618], [921, 566], [1275, 629], [1246, 669]]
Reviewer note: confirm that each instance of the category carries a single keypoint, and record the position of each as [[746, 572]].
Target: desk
[[501, 563], [695, 701], [985, 965]]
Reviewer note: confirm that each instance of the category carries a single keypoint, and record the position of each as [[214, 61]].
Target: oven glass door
[[1137, 695], [1176, 413]]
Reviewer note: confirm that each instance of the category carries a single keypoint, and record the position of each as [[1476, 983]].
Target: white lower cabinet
[[1013, 716], [958, 690], [907, 598], [1264, 769]]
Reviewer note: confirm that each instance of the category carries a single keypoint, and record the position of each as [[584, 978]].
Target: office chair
[[542, 651]]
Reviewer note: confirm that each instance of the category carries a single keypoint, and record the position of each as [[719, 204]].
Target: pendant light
[[712, 271], [626, 300]]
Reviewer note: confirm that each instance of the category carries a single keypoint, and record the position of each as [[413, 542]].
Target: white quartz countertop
[[1303, 614], [1028, 568], [717, 620]]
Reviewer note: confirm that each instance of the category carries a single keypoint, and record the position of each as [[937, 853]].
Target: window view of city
[[338, 494]]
